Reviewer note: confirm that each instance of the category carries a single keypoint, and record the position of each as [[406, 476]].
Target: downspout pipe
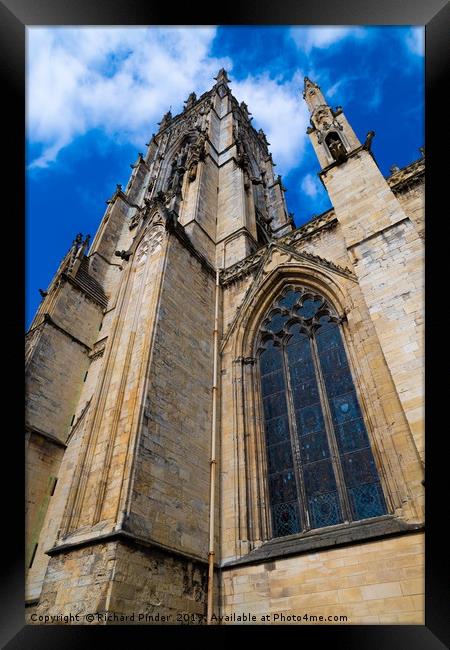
[[213, 461]]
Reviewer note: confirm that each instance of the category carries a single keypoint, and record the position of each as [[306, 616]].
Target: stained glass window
[[280, 462], [321, 469]]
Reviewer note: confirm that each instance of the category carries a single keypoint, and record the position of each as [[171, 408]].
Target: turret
[[381, 240], [331, 135]]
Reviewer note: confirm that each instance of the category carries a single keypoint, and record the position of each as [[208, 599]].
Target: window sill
[[316, 540]]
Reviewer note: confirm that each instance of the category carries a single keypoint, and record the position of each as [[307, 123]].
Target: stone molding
[[408, 177], [44, 434], [370, 530], [245, 266], [127, 538]]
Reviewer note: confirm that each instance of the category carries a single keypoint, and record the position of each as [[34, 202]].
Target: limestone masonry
[[202, 340]]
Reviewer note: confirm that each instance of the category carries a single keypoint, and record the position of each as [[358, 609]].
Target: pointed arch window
[[336, 146], [320, 466]]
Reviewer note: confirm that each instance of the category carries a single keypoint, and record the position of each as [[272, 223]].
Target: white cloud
[[331, 92], [123, 80], [415, 40], [119, 80], [308, 38], [278, 108], [310, 185]]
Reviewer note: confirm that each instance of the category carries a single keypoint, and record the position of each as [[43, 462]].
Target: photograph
[[224, 312], [225, 349]]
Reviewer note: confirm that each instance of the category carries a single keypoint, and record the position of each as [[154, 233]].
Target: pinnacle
[[222, 76], [309, 82], [307, 85]]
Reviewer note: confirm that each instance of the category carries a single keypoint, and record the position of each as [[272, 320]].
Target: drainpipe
[[211, 553]]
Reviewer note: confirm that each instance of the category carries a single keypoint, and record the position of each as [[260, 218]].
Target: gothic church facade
[[225, 412]]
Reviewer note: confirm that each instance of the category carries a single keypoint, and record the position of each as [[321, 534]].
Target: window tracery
[[320, 466]]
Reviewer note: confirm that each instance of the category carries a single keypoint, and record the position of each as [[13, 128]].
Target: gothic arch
[[151, 238], [335, 145], [254, 166], [185, 138], [153, 220], [254, 521], [256, 305]]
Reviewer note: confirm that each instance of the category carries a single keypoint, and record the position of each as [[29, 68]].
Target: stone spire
[[312, 95], [222, 77], [166, 120], [190, 101], [331, 135], [244, 108]]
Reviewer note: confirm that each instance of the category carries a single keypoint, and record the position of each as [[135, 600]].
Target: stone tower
[[120, 364], [384, 244], [148, 451]]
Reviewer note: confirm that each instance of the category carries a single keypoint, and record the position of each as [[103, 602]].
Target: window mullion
[[329, 428], [295, 445]]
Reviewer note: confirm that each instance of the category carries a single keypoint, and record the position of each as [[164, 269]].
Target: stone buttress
[[120, 369]]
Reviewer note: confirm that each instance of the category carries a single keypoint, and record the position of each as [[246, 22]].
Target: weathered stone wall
[[231, 201], [412, 200], [377, 582], [59, 360], [166, 327], [233, 296], [81, 481], [112, 226], [58, 511], [149, 581], [77, 583], [54, 382], [328, 244], [116, 410], [56, 367], [171, 485], [43, 459], [100, 583], [199, 207], [388, 259], [108, 273], [396, 306]]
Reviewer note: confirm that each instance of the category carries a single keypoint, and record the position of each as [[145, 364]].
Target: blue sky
[[95, 95]]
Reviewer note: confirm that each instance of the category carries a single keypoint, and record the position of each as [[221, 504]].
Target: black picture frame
[[15, 16]]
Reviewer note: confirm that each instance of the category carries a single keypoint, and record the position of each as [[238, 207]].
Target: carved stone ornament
[[190, 101], [273, 329], [222, 76], [276, 257], [135, 220], [192, 173], [124, 255], [321, 115], [197, 153], [166, 120], [368, 141], [222, 91], [337, 150], [242, 159], [262, 137], [149, 245], [244, 108]]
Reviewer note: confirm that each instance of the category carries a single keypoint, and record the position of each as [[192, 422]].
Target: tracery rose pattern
[[150, 244]]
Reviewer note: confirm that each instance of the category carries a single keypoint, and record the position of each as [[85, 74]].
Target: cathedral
[[224, 412]]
